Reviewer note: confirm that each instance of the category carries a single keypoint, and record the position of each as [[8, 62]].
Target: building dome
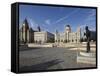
[[67, 28]]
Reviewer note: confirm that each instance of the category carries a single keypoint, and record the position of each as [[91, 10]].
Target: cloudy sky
[[55, 18]]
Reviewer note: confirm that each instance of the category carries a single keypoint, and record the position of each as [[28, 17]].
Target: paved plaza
[[49, 59]]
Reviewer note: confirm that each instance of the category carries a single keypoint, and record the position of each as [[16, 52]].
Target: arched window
[[76, 40]]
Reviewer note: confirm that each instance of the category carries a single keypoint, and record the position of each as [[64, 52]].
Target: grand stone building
[[68, 36], [28, 35], [43, 37]]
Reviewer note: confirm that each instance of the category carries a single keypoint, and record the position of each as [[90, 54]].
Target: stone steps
[[83, 57]]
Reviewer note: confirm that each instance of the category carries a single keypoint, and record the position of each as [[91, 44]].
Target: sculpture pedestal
[[83, 57]]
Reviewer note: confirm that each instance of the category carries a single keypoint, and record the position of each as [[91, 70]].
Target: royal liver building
[[68, 36], [29, 35]]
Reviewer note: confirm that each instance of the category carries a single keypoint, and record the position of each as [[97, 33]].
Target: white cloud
[[91, 27], [65, 17], [91, 16], [47, 21], [32, 24], [90, 21]]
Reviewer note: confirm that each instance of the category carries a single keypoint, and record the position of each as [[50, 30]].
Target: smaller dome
[[67, 25], [67, 28]]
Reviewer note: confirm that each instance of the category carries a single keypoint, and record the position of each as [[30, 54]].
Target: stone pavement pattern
[[49, 58]]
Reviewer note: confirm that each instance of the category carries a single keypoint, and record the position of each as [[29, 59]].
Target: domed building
[[68, 36], [67, 28]]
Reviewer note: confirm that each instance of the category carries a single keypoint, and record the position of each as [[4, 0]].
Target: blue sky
[[55, 18]]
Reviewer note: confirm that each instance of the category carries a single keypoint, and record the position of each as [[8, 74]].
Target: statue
[[88, 56], [87, 34], [39, 29]]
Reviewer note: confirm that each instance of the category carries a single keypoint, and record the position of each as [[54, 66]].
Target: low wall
[[40, 45], [77, 46], [70, 46], [23, 47]]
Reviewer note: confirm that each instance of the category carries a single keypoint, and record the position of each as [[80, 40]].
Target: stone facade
[[68, 36], [28, 35], [43, 37]]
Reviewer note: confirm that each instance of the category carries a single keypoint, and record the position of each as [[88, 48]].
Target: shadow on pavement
[[27, 48], [41, 66]]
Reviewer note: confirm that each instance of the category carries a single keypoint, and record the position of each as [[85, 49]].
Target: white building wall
[[40, 36], [72, 37], [28, 36]]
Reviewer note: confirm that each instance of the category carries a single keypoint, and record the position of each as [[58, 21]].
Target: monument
[[88, 38], [87, 56]]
